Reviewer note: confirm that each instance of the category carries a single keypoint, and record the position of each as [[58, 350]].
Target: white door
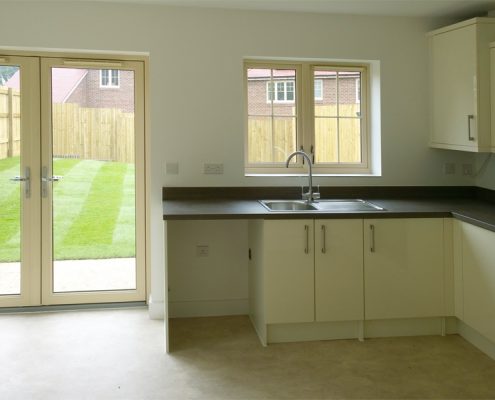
[[80, 194]]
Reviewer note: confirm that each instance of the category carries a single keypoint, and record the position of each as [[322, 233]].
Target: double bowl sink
[[353, 205]]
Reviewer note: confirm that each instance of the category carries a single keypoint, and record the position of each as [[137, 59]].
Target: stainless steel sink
[[346, 205], [353, 205], [287, 205]]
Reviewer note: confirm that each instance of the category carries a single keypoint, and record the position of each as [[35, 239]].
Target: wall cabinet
[[404, 268], [478, 279], [460, 85]]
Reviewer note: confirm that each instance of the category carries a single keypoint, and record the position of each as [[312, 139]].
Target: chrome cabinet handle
[[26, 179], [469, 118], [372, 238], [306, 245], [323, 239]]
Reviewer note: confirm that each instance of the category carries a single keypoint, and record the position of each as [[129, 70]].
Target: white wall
[[196, 83]]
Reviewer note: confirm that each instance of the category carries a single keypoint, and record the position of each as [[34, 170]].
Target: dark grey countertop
[[477, 212]]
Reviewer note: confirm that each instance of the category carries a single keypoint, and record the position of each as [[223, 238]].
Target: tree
[[6, 73]]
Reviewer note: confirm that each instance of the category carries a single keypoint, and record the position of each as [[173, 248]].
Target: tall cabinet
[[460, 85]]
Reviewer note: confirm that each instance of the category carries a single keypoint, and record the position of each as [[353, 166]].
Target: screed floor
[[119, 354]]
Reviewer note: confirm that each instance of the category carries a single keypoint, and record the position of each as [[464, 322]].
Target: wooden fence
[[78, 132], [92, 133], [10, 123], [331, 144]]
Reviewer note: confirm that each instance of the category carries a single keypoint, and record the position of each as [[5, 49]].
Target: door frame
[[31, 289]]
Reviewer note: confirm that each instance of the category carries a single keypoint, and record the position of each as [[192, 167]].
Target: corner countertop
[[476, 212]]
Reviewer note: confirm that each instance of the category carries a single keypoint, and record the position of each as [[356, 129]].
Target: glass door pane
[[10, 183], [93, 179], [20, 264]]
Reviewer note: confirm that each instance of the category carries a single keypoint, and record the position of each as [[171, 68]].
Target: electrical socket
[[213, 169], [172, 168], [449, 168], [467, 169], [202, 250]]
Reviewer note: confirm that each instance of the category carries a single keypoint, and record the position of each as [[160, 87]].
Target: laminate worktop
[[473, 211]]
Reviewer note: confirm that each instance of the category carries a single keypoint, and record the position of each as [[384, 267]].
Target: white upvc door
[[78, 170]]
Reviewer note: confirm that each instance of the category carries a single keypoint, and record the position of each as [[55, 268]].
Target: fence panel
[[10, 123], [333, 142]]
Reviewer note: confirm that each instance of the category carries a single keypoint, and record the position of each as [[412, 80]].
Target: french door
[[72, 195]]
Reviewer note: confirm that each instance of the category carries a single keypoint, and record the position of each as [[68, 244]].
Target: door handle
[[45, 179], [306, 244], [26, 179], [323, 239], [372, 238]]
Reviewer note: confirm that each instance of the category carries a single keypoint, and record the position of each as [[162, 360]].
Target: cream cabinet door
[[403, 261], [288, 271], [339, 270], [460, 86], [478, 271]]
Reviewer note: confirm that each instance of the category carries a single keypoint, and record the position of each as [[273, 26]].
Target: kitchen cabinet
[[404, 268], [339, 270], [288, 271], [478, 279], [460, 85], [307, 279]]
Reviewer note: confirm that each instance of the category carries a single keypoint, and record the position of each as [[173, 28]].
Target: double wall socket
[[202, 250], [213, 169]]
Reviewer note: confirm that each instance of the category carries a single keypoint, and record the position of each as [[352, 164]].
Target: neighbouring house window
[[109, 78], [280, 91], [283, 117], [318, 89]]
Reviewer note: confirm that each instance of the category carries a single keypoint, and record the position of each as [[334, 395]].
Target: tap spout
[[308, 196]]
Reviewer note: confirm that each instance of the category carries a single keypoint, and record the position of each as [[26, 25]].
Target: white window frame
[[304, 105], [110, 84]]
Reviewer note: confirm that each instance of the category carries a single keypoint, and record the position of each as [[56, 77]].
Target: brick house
[[90, 88], [281, 89]]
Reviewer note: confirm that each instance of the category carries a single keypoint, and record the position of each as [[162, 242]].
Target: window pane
[[284, 140], [258, 85], [115, 77], [280, 91], [349, 89], [260, 139], [326, 140], [350, 140], [327, 106], [104, 77], [93, 148], [272, 127], [11, 195], [318, 86]]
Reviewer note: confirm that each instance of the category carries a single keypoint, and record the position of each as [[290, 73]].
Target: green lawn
[[93, 210]]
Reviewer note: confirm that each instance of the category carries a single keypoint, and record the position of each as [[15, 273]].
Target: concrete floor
[[77, 275], [119, 354]]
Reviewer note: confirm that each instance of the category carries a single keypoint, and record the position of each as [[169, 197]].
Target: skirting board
[[208, 308], [156, 309], [476, 339]]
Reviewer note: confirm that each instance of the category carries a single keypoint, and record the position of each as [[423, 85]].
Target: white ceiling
[[410, 8]]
